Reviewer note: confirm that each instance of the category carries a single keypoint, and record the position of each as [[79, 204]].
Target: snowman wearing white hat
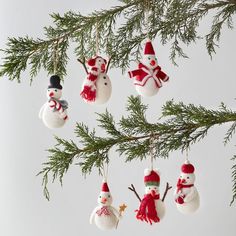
[[186, 195], [105, 216], [149, 76]]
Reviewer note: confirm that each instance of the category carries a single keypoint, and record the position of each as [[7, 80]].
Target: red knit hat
[[151, 178], [105, 187], [187, 168], [149, 48]]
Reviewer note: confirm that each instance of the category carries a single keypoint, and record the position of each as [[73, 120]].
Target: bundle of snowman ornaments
[[152, 207], [97, 88]]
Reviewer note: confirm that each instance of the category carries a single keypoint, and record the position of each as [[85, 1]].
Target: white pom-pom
[[147, 171]]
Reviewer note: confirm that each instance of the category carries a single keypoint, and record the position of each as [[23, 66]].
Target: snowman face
[[105, 199], [187, 179], [152, 189], [54, 93], [100, 63], [150, 61]]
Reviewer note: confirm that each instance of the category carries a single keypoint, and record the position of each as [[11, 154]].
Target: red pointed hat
[[148, 49], [105, 187], [187, 168], [151, 178]]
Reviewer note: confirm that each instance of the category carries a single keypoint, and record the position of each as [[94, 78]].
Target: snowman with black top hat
[[53, 112]]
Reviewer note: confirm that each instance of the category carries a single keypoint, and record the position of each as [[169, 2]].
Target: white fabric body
[[191, 201], [104, 89], [103, 221], [147, 90], [191, 196], [52, 119], [150, 88], [106, 222]]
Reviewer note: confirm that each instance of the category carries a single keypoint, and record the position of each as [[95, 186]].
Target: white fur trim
[[147, 171]]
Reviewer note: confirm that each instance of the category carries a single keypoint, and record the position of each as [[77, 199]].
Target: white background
[[24, 139]]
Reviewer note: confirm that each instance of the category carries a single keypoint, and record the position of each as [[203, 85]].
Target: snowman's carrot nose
[[152, 63], [103, 200], [51, 94]]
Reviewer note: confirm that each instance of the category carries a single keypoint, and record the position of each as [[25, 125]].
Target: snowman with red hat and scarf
[[152, 208], [149, 76], [96, 88], [53, 112], [105, 216], [186, 195]]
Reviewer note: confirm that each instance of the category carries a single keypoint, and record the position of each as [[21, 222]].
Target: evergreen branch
[[176, 22], [182, 126]]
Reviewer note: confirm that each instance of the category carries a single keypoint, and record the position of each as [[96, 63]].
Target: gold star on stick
[[122, 208]]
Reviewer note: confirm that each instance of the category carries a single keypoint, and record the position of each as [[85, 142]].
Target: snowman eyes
[[109, 196], [187, 177], [100, 196], [149, 58], [55, 90]]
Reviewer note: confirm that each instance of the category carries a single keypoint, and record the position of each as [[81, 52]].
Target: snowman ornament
[[53, 112], [186, 195], [105, 216], [96, 88], [149, 76], [152, 208]]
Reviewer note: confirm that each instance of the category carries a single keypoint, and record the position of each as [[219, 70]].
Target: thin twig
[[168, 187], [132, 188], [108, 64], [83, 63]]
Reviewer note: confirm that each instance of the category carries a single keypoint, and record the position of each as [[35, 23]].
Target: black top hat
[[55, 82]]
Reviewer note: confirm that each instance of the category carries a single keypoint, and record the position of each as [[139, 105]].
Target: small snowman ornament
[[105, 216], [53, 112], [149, 76], [96, 88], [152, 208], [186, 195]]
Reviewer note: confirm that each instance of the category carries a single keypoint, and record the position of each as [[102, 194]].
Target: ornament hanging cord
[[152, 150], [105, 170], [97, 39], [146, 17], [55, 57]]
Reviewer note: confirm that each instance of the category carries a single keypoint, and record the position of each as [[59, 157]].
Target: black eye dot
[[100, 196], [104, 77], [55, 90], [149, 188], [109, 196], [99, 60], [187, 177], [105, 83], [149, 58]]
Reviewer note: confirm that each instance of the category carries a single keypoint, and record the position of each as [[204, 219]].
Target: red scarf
[[147, 209], [180, 186], [104, 211]]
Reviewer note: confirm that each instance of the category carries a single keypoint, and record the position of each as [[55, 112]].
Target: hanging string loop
[[55, 57]]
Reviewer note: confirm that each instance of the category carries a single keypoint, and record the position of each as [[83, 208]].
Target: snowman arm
[[91, 219], [189, 197], [116, 213], [83, 64], [41, 111], [134, 73]]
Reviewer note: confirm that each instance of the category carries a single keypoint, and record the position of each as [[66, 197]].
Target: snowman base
[[106, 222]]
